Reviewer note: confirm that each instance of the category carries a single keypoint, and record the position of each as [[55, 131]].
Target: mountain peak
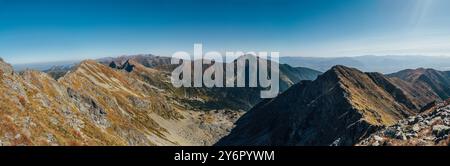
[[85, 64], [336, 67], [88, 62], [344, 69]]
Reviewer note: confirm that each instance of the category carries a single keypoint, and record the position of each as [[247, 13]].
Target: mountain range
[[370, 63], [129, 100], [385, 64]]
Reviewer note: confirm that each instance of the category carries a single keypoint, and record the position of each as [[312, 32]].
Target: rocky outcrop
[[427, 129]]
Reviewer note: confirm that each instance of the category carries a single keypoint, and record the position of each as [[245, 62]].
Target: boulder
[[441, 130]]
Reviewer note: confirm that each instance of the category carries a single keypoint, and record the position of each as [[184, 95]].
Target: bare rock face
[[341, 107], [429, 128]]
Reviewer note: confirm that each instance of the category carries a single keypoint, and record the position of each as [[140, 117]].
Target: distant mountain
[[384, 64], [438, 81], [59, 71], [292, 75], [44, 65], [340, 107]]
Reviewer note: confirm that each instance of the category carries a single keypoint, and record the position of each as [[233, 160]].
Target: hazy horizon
[[385, 64]]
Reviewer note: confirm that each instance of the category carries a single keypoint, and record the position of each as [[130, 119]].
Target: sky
[[57, 30]]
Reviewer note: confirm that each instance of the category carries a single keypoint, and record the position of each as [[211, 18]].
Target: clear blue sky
[[54, 30]]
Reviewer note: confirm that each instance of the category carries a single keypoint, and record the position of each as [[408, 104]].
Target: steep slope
[[340, 107], [438, 81]]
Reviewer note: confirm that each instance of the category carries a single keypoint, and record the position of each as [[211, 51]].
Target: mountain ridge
[[340, 107]]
